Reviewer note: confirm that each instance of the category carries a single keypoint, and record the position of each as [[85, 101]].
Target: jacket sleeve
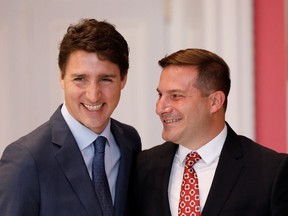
[[19, 186], [279, 206]]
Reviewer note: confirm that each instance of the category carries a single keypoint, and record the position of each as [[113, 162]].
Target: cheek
[[191, 113], [116, 96], [157, 108], [112, 91], [72, 92], [111, 96]]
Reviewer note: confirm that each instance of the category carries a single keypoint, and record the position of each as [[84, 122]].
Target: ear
[[217, 100], [61, 80], [123, 82]]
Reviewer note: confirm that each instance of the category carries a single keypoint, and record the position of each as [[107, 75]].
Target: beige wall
[[31, 30]]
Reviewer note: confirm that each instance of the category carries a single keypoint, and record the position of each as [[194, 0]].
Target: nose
[[93, 92], [163, 105]]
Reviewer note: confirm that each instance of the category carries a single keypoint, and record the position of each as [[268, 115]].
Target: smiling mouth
[[171, 120], [93, 108]]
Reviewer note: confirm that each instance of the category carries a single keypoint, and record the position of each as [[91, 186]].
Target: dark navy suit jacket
[[250, 180], [44, 174]]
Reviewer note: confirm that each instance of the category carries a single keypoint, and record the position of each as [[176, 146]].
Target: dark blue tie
[[99, 177]]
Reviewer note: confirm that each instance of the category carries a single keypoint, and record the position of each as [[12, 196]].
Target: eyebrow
[[78, 75], [107, 75], [171, 91], [86, 75]]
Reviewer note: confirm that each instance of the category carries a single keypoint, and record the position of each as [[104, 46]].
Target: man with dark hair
[[79, 162], [204, 167]]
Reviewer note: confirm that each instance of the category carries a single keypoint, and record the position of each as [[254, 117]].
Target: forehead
[[176, 77], [89, 63]]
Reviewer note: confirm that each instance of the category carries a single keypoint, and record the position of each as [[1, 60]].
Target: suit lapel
[[227, 172], [122, 182], [165, 162], [72, 164]]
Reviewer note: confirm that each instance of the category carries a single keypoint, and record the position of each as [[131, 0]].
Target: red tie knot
[[192, 158]]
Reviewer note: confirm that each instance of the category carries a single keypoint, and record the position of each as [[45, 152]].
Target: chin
[[168, 137]]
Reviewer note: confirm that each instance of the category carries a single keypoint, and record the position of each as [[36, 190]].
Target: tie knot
[[99, 144], [192, 158]]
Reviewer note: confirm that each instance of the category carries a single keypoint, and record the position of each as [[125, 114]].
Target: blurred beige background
[[31, 30]]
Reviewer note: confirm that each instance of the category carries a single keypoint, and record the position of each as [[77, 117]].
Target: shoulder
[[33, 139], [162, 148], [126, 133], [43, 133], [123, 126], [242, 146], [17, 163], [21, 157], [253, 148], [119, 127], [36, 142], [165, 150]]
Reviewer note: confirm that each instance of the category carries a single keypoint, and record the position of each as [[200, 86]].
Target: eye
[[107, 79], [176, 96], [159, 94], [78, 79]]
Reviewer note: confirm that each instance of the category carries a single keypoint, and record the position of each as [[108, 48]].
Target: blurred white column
[[226, 28]]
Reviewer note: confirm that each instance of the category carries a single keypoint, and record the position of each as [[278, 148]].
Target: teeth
[[92, 108], [171, 120]]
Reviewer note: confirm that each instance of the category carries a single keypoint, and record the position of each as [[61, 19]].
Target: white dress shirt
[[85, 138], [205, 169]]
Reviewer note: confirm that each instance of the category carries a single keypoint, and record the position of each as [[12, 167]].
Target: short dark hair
[[213, 72], [99, 37]]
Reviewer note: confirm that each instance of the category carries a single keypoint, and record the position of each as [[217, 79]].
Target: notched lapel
[[165, 162], [122, 182], [227, 172], [72, 164]]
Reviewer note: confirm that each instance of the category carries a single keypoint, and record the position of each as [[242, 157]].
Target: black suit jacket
[[44, 173], [243, 185]]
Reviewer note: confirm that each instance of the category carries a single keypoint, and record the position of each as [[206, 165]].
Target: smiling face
[[92, 89], [185, 113]]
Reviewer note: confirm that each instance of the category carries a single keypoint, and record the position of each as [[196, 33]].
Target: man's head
[[93, 60], [193, 89], [98, 37], [213, 72]]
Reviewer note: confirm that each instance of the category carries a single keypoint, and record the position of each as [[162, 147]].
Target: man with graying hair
[[205, 168]]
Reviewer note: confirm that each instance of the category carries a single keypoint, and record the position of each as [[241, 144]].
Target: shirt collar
[[83, 135], [209, 152]]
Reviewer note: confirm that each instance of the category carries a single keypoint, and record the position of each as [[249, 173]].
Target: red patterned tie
[[189, 203]]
